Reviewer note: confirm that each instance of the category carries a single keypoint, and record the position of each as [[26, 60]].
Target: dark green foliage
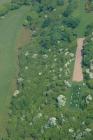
[[29, 19], [89, 29], [69, 9], [87, 54], [65, 37], [67, 12], [88, 57], [15, 4], [71, 22], [46, 22], [60, 2], [21, 2], [90, 83], [4, 9]]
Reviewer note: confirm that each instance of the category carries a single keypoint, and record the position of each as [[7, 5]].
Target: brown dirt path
[[78, 74]]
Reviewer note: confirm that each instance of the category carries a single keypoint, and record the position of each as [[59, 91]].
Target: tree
[[90, 83], [88, 29], [46, 22], [71, 22]]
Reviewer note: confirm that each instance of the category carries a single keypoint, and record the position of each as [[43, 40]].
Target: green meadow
[[10, 27], [4, 1]]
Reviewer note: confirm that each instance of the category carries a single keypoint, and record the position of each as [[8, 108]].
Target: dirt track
[[77, 74]]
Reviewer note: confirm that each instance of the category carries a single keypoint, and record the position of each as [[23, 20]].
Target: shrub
[[90, 83], [72, 5], [87, 52], [67, 12], [15, 4], [71, 22], [89, 29], [65, 36], [60, 2], [46, 22], [4, 9]]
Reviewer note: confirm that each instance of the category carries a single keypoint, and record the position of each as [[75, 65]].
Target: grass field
[[9, 29], [4, 1]]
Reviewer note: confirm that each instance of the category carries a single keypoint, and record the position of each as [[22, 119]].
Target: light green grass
[[4, 1], [9, 30]]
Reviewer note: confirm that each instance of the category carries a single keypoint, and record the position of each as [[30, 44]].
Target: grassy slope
[[9, 29]]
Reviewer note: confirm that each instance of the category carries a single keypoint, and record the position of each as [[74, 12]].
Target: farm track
[[78, 74]]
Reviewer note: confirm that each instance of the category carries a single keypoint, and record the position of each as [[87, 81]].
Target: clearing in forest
[[78, 74]]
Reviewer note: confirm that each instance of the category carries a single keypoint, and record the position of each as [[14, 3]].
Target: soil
[[78, 74]]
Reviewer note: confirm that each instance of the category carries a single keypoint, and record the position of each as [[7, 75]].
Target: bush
[[60, 2], [89, 29], [71, 22], [15, 4], [72, 5], [65, 36], [67, 12], [87, 54], [90, 83], [46, 22]]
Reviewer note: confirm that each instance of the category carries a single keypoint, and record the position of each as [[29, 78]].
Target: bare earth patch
[[24, 37], [78, 74]]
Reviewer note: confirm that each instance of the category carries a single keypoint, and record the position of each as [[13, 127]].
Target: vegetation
[[89, 5], [47, 104], [10, 26]]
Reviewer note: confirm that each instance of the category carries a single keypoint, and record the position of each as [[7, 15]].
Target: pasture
[[4, 1], [9, 31]]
